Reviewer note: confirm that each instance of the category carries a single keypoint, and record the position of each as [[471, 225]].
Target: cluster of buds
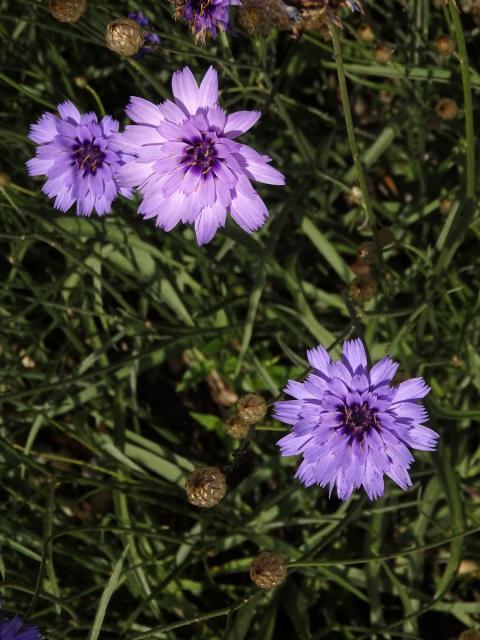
[[67, 10], [250, 410], [268, 570]]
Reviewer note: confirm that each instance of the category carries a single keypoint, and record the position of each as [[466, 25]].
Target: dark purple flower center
[[201, 154], [87, 157], [358, 419]]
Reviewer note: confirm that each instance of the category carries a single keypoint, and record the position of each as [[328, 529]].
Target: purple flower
[[74, 153], [351, 425], [208, 16], [16, 630], [188, 165], [151, 39]]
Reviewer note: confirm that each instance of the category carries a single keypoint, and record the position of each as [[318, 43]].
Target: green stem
[[97, 99], [389, 556], [352, 141], [467, 96]]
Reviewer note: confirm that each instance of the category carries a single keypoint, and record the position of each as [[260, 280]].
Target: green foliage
[[121, 345]]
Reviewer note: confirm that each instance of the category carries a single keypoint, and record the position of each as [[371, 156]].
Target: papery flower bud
[[382, 54], [124, 36], [268, 570], [362, 289], [470, 634], [236, 427], [365, 33], [446, 109], [444, 45], [252, 408], [67, 10], [205, 487]]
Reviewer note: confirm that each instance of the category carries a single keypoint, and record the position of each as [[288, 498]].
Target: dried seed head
[[354, 197], [445, 205], [444, 45], [365, 33], [447, 109], [5, 180], [362, 289], [470, 635], [124, 36], [268, 570], [367, 253], [252, 408], [382, 54], [260, 16], [67, 10], [205, 487], [81, 82], [236, 427]]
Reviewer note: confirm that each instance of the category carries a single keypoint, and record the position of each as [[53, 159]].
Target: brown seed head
[[470, 634], [67, 10], [205, 487], [124, 36], [268, 570], [367, 253], [444, 45], [362, 289], [260, 16], [252, 408], [236, 427], [446, 108], [382, 54], [365, 33]]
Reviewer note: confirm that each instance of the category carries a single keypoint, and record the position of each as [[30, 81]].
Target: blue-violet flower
[[188, 165], [74, 153], [351, 425], [15, 629], [207, 17], [151, 40]]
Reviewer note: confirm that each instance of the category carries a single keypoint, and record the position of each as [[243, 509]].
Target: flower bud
[[362, 289], [382, 54], [67, 10], [447, 109], [81, 82], [365, 33], [5, 180], [236, 428], [205, 487], [252, 408], [444, 45], [124, 36], [470, 634], [268, 570], [367, 253]]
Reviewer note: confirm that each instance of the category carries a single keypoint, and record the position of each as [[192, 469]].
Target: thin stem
[[352, 141], [388, 556], [97, 99], [467, 97]]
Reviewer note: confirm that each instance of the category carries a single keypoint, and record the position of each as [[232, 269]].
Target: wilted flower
[[151, 41], [67, 10], [252, 408], [15, 629], [187, 163], [206, 17], [268, 570], [313, 14], [351, 426], [259, 16], [74, 153], [205, 487]]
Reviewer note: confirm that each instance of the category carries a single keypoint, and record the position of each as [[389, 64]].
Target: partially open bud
[[205, 487], [362, 289], [382, 54], [268, 570], [67, 10], [365, 33], [444, 45], [252, 408], [124, 36], [447, 109], [236, 428]]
